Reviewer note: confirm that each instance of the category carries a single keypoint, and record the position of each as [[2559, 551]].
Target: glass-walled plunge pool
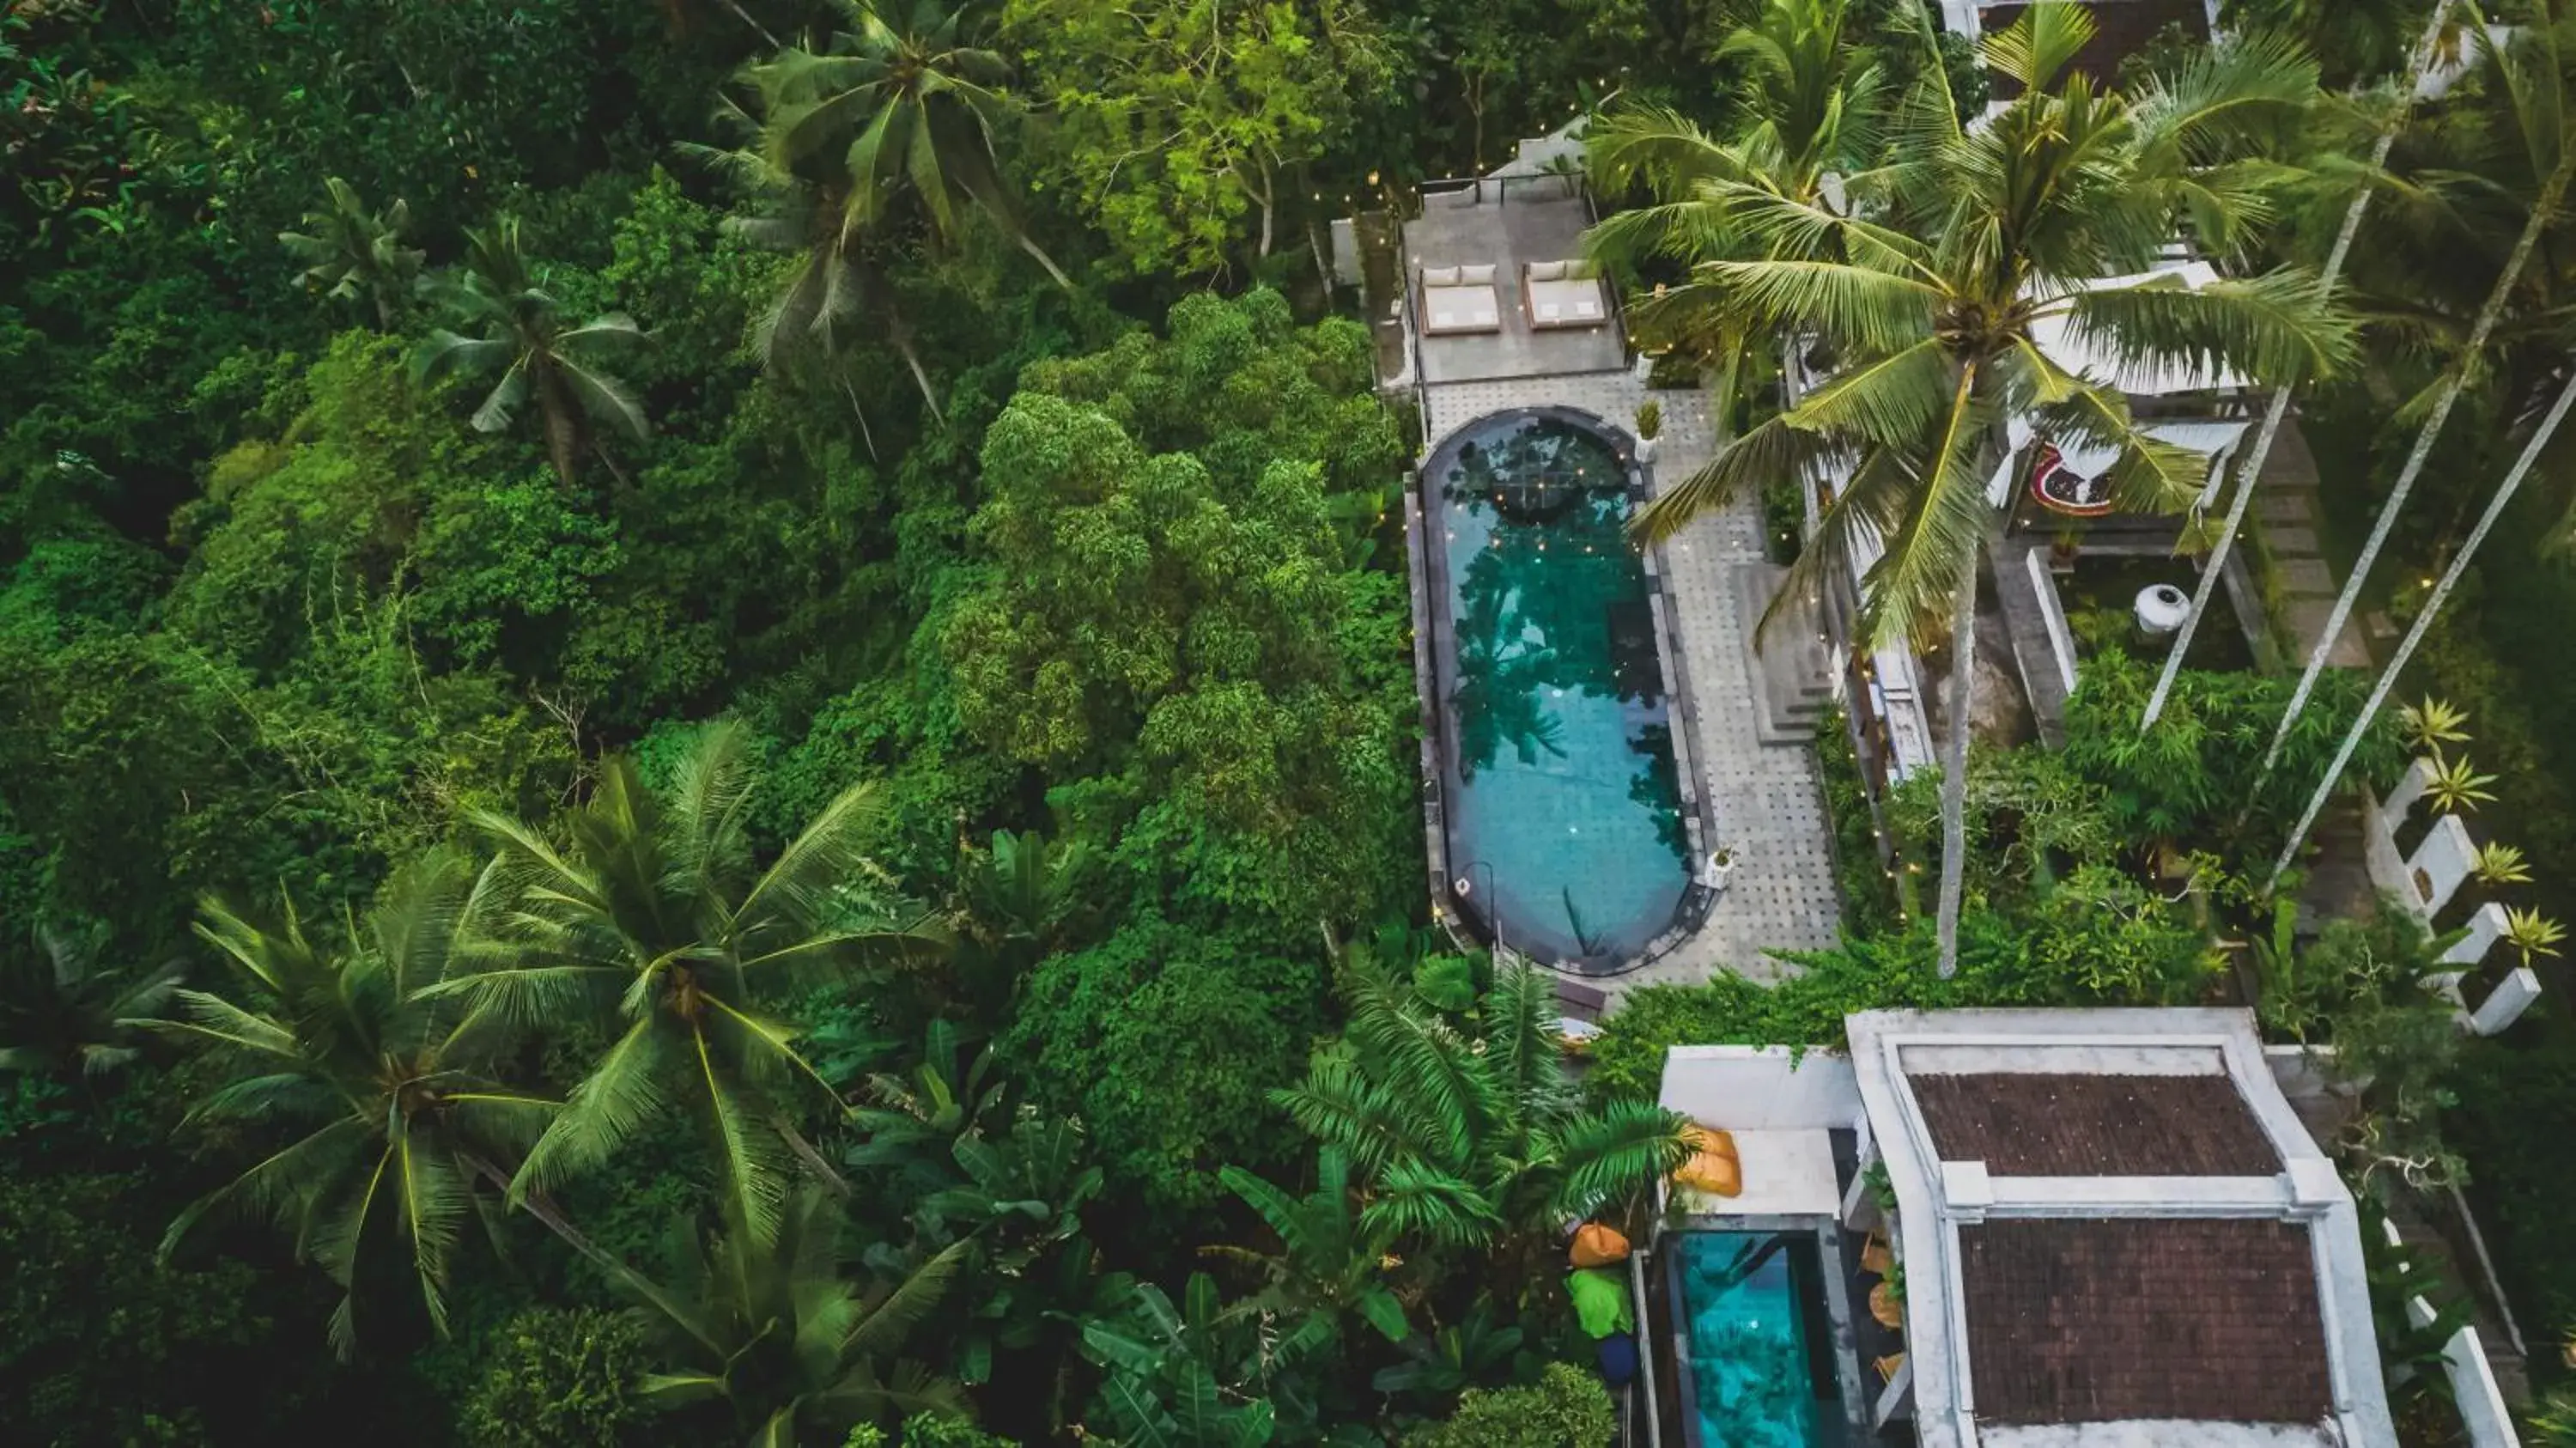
[[1756, 1344], [1562, 808]]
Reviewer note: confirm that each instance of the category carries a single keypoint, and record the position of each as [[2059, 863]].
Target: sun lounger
[[1459, 299], [1564, 294]]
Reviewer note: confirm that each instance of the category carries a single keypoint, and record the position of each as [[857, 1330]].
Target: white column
[[2513, 995], [2440, 864], [2401, 800], [2484, 927]]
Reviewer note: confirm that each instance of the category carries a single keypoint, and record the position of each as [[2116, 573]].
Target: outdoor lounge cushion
[[1598, 1246], [1477, 276], [1441, 276], [1712, 1168], [1564, 294], [1601, 1301], [1450, 309]]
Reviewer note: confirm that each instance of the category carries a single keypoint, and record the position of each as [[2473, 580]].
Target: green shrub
[[925, 1430], [2512, 1096], [2100, 939], [1808, 1009], [2193, 777], [1566, 1408], [559, 1379], [1868, 895]]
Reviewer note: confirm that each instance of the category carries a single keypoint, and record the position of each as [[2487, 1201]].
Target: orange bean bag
[[1713, 1167], [1598, 1246]]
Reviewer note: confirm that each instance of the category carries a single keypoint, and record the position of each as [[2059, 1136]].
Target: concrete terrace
[[1519, 220], [1764, 800]]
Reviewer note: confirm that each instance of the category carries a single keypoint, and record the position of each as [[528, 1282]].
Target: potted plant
[[1721, 864], [1650, 426]]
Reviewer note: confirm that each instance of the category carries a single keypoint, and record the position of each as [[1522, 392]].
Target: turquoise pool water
[[1562, 808], [1752, 1304]]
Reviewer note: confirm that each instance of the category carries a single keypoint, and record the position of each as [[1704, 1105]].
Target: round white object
[[2162, 608]]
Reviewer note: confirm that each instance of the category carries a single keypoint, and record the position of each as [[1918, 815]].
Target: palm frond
[[884, 1329], [1607, 1155], [622, 1094], [1416, 1199], [2279, 327]]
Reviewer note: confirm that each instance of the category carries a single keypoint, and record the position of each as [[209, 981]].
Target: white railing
[[2483, 1410], [2425, 881], [2052, 611]]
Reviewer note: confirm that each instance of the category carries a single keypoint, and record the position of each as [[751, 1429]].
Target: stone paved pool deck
[[1764, 800]]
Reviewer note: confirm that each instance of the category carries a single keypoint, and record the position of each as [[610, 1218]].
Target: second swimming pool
[[1757, 1367]]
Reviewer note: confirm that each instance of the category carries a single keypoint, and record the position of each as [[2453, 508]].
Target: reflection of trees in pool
[[1497, 701], [1657, 786], [1542, 604]]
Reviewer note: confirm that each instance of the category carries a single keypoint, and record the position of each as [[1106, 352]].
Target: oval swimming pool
[[1562, 809]]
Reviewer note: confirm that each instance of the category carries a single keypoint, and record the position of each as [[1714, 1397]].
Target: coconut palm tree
[[353, 254], [1934, 306], [833, 140], [1476, 1141], [766, 1322], [2532, 74], [391, 1116], [654, 921], [1813, 109], [903, 106], [62, 1016], [518, 330], [2249, 472]]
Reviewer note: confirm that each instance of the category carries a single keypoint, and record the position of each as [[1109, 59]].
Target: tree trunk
[[561, 418], [1721, 401], [2250, 472], [1954, 765], [539, 1206], [2543, 212], [1268, 195], [2424, 622]]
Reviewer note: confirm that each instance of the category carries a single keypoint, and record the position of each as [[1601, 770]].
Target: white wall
[[1762, 1088]]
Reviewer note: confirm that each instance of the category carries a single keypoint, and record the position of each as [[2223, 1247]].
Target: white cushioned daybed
[[1564, 294], [1460, 299]]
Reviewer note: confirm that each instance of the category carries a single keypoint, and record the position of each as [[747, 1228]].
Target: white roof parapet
[[1936, 1197]]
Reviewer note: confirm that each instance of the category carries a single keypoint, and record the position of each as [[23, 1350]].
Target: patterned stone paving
[[1764, 798]]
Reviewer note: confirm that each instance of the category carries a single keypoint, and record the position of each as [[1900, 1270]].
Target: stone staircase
[[1792, 669], [2287, 512]]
